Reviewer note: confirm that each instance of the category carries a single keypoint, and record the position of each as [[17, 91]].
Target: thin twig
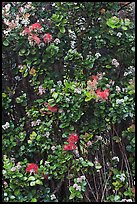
[[89, 186], [124, 6], [105, 188]]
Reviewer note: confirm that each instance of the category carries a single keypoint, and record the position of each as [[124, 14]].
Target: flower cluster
[[77, 187], [6, 126], [72, 140], [80, 179], [115, 62], [41, 90], [34, 123], [32, 168], [33, 32], [103, 95]]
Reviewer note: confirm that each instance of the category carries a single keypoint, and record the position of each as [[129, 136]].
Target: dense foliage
[[68, 102]]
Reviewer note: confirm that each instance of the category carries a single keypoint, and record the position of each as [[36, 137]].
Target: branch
[[124, 6]]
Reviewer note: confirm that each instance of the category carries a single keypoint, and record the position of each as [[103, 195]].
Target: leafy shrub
[[68, 102]]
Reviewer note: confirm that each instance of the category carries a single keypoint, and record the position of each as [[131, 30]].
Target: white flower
[[77, 90], [75, 185], [53, 148], [33, 123], [119, 34], [97, 55], [52, 197], [115, 62], [119, 101], [125, 73], [83, 177], [122, 178], [46, 162], [38, 121], [99, 137], [47, 134], [57, 41], [7, 7], [79, 180], [115, 158], [78, 188], [18, 165], [59, 83], [52, 90], [129, 200], [13, 169], [118, 89], [6, 126]]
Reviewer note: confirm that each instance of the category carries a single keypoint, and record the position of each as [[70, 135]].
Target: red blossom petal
[[53, 109], [69, 147], [36, 39], [47, 38], [94, 77], [73, 138], [27, 30], [36, 26], [31, 167], [103, 94]]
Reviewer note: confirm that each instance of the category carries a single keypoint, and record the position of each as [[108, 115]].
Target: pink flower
[[47, 38], [103, 94], [73, 138], [70, 146], [41, 90], [53, 108], [94, 77], [27, 31], [36, 39], [36, 26], [89, 143], [32, 168]]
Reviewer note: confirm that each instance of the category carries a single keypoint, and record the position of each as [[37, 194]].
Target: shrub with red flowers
[[72, 140], [68, 90]]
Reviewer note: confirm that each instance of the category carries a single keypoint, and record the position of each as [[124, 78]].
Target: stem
[[105, 188], [89, 187]]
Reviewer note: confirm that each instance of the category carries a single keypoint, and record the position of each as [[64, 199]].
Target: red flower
[[32, 168], [53, 108], [47, 38], [73, 138], [36, 26], [27, 30], [94, 77], [36, 39], [70, 146], [103, 94]]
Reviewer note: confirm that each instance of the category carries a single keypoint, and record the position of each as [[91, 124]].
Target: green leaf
[[55, 95], [6, 43], [62, 30], [79, 196], [32, 183], [108, 66], [31, 178], [72, 196], [39, 182], [90, 163], [71, 189], [98, 166], [34, 200], [124, 27]]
